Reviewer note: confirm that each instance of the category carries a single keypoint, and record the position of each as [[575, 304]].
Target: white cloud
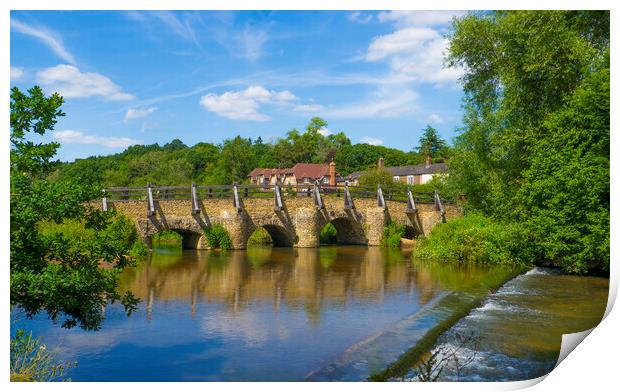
[[385, 101], [251, 42], [325, 131], [434, 118], [132, 114], [70, 82], [359, 17], [16, 73], [399, 42], [308, 108], [414, 52], [419, 18], [181, 27], [48, 37], [373, 141], [77, 137], [245, 104]]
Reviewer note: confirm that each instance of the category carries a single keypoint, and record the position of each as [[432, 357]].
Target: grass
[[329, 234], [167, 239], [31, 361], [392, 233], [260, 237], [218, 238]]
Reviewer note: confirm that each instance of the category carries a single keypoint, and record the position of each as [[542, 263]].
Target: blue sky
[[144, 77]]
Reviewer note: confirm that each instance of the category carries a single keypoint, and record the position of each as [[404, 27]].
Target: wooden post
[[195, 205], [411, 207], [104, 201], [380, 199], [348, 200], [318, 201], [149, 197], [236, 200], [277, 198], [439, 205]]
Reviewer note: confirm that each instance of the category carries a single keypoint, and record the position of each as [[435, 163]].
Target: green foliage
[[359, 157], [373, 177], [167, 239], [431, 144], [59, 273], [260, 237], [535, 145], [430, 369], [218, 237], [477, 239], [392, 233], [30, 360], [138, 250], [329, 234]]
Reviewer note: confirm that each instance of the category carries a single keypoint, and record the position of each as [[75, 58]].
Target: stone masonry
[[298, 223]]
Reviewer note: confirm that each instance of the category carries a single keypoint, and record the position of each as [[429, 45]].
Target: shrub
[[167, 239], [329, 234], [110, 233], [392, 234], [260, 237], [217, 237], [479, 239], [373, 177]]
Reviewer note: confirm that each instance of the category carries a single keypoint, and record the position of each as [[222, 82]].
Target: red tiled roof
[[300, 170], [310, 170]]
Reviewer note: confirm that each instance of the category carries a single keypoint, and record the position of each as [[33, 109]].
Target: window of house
[[396, 178], [410, 180]]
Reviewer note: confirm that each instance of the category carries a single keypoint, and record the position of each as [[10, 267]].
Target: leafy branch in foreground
[[69, 275]]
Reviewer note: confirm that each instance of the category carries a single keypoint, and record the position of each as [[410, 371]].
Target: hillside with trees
[[175, 163]]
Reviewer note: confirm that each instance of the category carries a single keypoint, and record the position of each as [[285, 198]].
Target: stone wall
[[298, 224]]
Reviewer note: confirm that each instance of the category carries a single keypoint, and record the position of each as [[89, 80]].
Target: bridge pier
[[237, 225], [307, 228], [376, 219]]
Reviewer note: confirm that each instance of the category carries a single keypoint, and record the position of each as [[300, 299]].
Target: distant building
[[410, 174], [301, 173]]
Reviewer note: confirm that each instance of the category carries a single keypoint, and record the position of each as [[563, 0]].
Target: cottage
[[301, 173], [410, 174]]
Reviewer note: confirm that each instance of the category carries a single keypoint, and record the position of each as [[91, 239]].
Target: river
[[330, 313]]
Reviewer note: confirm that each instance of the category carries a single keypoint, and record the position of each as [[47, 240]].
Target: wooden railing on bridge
[[235, 192]]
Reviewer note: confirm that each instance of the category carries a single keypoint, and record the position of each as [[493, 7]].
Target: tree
[[378, 176], [532, 149], [431, 144], [56, 273], [235, 161]]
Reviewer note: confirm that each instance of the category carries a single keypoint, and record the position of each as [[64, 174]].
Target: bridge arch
[[349, 231], [190, 239], [280, 236]]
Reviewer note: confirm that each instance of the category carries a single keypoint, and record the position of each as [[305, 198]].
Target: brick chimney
[[332, 173], [380, 163], [429, 161]]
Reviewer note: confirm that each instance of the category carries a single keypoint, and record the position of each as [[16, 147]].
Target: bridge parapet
[[293, 215]]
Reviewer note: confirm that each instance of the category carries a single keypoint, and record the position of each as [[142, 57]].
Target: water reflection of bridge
[[303, 278]]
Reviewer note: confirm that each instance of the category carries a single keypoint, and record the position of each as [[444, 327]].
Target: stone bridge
[[293, 216]]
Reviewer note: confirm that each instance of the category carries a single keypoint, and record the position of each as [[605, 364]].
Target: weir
[[294, 213]]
